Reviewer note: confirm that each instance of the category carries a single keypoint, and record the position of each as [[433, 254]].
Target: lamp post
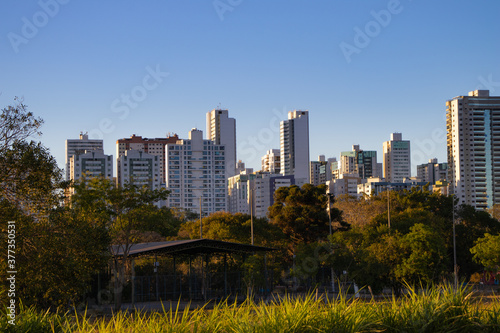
[[329, 197]]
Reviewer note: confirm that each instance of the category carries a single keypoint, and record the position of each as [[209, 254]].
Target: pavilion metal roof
[[189, 247]]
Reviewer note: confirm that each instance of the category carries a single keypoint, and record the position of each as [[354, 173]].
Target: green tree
[[125, 211], [486, 252], [425, 256], [301, 213]]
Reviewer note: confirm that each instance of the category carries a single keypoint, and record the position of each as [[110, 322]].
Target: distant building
[[432, 171], [80, 146], [139, 168], [93, 163], [152, 146], [222, 131], [473, 140], [397, 161], [294, 150], [321, 170], [255, 189], [347, 183], [196, 170], [271, 161], [374, 186], [360, 162]]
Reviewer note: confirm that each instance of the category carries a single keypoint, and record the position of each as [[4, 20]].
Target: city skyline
[[363, 70]]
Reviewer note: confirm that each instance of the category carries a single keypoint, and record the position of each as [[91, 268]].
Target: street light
[[330, 196]]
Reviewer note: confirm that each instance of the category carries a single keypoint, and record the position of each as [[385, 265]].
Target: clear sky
[[363, 69]]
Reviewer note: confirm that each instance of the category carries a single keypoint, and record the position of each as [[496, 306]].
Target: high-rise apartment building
[[473, 140], [397, 161], [155, 147], [92, 163], [271, 161], [361, 162], [432, 172], [139, 168], [196, 170], [222, 131], [254, 190], [321, 170], [79, 146], [294, 149]]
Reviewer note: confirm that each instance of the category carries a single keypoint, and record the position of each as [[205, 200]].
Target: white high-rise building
[[256, 190], [139, 168], [93, 163], [196, 170], [222, 130], [294, 149], [473, 142], [397, 161], [271, 161], [79, 146]]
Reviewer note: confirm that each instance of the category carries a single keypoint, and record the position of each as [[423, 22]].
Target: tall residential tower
[[397, 161], [78, 147], [222, 131], [473, 141], [294, 149]]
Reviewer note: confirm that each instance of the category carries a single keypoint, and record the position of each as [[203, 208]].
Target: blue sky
[[363, 69]]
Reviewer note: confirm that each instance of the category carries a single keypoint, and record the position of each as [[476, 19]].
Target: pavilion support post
[[205, 296], [225, 275], [157, 285], [189, 279], [133, 281], [175, 281]]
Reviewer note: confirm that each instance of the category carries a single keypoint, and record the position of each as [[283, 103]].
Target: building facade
[[397, 159], [375, 186], [253, 192], [222, 130], [432, 171], [139, 168], [80, 146], [360, 162], [93, 163], [294, 146], [155, 147], [196, 173], [473, 144], [271, 161]]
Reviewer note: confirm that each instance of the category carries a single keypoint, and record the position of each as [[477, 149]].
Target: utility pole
[[455, 267], [388, 208], [201, 223], [251, 214]]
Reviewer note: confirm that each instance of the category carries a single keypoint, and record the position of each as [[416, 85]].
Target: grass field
[[439, 309]]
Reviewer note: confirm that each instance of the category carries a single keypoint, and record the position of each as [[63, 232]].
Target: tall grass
[[438, 309]]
